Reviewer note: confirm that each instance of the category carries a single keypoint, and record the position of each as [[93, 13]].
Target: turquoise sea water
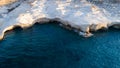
[[51, 46]]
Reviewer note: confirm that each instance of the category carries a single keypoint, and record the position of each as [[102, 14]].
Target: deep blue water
[[51, 46]]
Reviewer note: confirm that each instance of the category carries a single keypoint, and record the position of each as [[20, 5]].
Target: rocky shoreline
[[82, 16]]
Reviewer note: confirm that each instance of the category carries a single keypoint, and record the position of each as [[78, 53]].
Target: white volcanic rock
[[78, 14]]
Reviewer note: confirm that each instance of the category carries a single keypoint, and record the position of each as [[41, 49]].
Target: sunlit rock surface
[[5, 2], [80, 15]]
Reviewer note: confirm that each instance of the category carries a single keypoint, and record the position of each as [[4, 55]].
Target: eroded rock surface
[[81, 15]]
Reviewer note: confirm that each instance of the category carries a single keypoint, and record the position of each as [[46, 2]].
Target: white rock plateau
[[80, 15]]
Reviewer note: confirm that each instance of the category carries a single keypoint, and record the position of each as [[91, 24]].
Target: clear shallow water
[[51, 46]]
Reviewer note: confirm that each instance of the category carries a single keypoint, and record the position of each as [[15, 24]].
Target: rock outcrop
[[80, 15]]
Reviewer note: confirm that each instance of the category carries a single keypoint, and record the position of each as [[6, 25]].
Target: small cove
[[51, 46]]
